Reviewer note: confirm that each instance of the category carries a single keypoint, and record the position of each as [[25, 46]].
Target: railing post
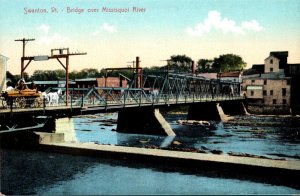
[[11, 103], [44, 103], [124, 95], [193, 97], [152, 98], [140, 98], [72, 99]]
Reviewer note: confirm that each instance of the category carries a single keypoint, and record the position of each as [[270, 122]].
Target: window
[[283, 92], [284, 101], [265, 93], [252, 93], [253, 81], [271, 92], [274, 101], [271, 61], [265, 82], [288, 82], [271, 69]]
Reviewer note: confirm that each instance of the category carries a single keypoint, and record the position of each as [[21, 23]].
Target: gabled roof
[[272, 56], [230, 74], [251, 72]]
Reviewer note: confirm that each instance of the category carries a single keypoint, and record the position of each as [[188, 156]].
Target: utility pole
[[24, 41]]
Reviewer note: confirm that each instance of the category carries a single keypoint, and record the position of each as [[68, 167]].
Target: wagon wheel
[[37, 102], [3, 102], [20, 102]]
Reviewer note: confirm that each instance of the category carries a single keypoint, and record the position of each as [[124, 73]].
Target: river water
[[46, 173]]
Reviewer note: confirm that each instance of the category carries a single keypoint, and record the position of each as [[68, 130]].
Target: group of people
[[21, 85]]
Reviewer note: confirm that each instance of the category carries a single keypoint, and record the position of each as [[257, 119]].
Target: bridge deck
[[100, 108]]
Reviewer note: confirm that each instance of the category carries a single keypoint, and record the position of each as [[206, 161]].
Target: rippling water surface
[[45, 173]]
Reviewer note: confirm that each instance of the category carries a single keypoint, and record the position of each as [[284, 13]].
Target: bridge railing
[[154, 90], [105, 96]]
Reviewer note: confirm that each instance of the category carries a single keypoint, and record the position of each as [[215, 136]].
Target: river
[[46, 173]]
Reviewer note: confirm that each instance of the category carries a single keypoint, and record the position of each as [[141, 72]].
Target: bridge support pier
[[215, 111], [234, 107], [145, 120], [66, 127], [203, 111]]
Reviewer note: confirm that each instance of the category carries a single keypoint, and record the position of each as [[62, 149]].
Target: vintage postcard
[[139, 97]]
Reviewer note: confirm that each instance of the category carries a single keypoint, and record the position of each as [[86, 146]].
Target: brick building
[[111, 82], [270, 91]]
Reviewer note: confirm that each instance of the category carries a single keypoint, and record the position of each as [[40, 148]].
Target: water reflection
[[43, 173]]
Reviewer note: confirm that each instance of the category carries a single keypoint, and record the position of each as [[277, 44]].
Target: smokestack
[[137, 61], [193, 67]]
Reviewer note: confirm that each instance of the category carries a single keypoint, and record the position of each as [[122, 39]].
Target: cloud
[[48, 38], [95, 32], [252, 25], [104, 27], [108, 28], [214, 21], [44, 28]]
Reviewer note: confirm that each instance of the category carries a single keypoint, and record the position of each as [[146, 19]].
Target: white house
[[3, 69]]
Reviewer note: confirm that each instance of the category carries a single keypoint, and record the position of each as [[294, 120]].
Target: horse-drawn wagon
[[21, 98]]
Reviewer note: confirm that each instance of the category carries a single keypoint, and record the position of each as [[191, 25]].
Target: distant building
[[43, 85], [232, 76], [271, 91], [86, 82], [268, 89], [111, 82], [3, 69]]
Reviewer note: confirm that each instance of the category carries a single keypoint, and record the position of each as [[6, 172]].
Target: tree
[[204, 65], [46, 75], [14, 79], [181, 63], [228, 62]]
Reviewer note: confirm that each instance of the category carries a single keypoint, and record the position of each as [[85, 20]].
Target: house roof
[[50, 82], [250, 72], [269, 76], [85, 79], [280, 54], [230, 74], [272, 56], [294, 64], [208, 75]]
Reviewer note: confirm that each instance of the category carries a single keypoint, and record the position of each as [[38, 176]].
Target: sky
[[115, 33]]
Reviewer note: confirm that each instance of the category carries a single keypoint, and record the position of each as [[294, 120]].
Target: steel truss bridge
[[156, 89]]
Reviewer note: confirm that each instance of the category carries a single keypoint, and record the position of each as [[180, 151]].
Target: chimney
[[137, 61], [193, 67]]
